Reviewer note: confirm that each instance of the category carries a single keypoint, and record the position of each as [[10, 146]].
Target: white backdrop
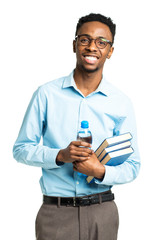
[[30, 56]]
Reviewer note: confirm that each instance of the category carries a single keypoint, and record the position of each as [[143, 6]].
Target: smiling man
[[93, 45], [72, 208]]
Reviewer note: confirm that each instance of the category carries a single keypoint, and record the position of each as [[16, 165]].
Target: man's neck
[[87, 82]]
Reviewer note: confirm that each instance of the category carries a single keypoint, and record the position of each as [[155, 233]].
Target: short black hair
[[99, 18]]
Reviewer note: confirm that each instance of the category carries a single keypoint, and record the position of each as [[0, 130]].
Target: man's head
[[92, 17], [93, 42]]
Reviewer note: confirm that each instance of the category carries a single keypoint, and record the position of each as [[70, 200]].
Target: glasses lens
[[84, 40], [101, 42]]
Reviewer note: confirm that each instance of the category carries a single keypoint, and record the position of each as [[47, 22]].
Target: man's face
[[90, 58]]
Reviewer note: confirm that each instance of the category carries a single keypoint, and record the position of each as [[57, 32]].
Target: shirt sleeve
[[27, 148], [129, 170]]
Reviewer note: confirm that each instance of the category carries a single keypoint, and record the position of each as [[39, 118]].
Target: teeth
[[91, 57]]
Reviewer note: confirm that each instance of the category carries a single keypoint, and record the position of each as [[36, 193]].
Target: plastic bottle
[[84, 133]]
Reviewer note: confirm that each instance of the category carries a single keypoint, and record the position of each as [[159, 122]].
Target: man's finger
[[81, 143], [80, 158]]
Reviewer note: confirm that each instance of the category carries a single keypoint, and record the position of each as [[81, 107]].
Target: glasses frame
[[93, 39]]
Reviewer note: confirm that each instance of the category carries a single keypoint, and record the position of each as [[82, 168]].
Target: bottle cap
[[84, 124]]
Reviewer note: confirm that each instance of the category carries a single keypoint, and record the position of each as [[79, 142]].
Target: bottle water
[[84, 133]]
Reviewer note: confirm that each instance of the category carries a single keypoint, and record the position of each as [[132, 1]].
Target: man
[[74, 209]]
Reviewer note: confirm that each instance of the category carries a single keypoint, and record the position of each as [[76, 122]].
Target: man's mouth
[[90, 59]]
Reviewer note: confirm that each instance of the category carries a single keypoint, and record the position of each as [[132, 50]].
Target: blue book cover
[[117, 157]]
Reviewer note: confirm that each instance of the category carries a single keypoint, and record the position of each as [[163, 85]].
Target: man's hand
[[76, 151], [90, 167]]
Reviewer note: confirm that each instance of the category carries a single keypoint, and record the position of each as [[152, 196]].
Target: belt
[[79, 201]]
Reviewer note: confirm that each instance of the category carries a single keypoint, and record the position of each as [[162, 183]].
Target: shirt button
[[77, 182]]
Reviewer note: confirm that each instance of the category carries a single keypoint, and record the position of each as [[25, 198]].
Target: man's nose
[[92, 46]]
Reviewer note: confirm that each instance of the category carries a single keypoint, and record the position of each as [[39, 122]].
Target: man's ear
[[74, 46], [110, 52]]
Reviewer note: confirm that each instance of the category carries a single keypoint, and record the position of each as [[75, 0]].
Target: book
[[113, 141], [114, 158], [114, 148], [117, 157]]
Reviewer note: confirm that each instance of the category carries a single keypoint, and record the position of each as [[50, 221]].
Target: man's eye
[[84, 40], [102, 42]]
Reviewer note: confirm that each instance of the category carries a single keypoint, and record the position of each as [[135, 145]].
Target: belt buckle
[[86, 201], [82, 202], [89, 201]]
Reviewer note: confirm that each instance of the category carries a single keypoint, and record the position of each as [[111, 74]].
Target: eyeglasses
[[85, 40]]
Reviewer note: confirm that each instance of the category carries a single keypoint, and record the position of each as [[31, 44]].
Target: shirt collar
[[69, 81], [102, 88]]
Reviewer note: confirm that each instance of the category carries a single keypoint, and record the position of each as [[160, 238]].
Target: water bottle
[[84, 133]]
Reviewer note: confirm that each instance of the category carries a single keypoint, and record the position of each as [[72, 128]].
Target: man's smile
[[91, 59]]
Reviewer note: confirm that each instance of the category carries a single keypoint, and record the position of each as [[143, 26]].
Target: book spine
[[89, 179]]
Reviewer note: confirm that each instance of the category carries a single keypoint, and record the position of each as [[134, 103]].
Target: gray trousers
[[93, 222]]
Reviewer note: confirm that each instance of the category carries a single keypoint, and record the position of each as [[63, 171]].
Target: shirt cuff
[[51, 159], [108, 176]]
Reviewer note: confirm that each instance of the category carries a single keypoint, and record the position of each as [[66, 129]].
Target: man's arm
[[26, 148]]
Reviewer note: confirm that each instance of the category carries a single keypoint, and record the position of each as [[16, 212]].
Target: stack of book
[[114, 151]]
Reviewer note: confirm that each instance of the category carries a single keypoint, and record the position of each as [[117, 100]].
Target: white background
[[36, 47]]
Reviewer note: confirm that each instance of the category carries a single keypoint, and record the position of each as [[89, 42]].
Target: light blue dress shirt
[[54, 114]]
